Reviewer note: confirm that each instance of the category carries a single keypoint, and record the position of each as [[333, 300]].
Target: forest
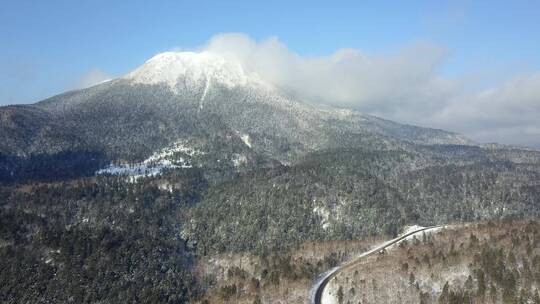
[[176, 237]]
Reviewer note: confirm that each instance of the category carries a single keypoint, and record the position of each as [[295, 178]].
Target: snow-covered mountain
[[197, 97], [190, 69]]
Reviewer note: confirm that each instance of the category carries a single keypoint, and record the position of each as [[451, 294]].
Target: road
[[323, 280]]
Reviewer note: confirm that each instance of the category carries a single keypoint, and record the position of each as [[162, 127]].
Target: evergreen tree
[[340, 295]]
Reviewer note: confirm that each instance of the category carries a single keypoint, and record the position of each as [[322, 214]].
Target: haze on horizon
[[466, 67]]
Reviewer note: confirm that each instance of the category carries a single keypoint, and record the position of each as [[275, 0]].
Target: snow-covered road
[[316, 294]]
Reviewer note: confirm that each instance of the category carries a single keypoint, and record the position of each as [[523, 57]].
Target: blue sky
[[48, 47]]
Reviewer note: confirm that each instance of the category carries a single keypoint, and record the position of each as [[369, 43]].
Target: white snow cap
[[191, 67]]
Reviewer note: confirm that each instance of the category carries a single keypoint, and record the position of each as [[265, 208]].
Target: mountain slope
[[199, 98], [193, 159], [259, 148]]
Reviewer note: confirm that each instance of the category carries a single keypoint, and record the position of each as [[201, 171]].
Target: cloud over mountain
[[406, 85]]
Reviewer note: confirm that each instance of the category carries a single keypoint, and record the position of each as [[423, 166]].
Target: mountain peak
[[189, 68]]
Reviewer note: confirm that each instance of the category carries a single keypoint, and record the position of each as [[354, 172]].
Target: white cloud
[[508, 112], [92, 77], [406, 86]]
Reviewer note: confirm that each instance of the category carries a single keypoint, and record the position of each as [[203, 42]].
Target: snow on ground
[[179, 146], [239, 159], [206, 87], [245, 138], [193, 69], [324, 213], [329, 296], [156, 163], [142, 169], [413, 228]]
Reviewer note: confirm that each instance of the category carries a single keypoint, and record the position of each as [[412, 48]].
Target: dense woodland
[[108, 239], [91, 241], [354, 193]]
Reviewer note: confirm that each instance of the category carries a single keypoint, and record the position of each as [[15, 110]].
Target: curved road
[[323, 280]]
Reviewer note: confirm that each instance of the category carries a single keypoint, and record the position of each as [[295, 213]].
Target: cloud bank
[[405, 86]]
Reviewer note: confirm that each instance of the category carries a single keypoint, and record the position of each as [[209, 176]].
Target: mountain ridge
[[204, 99]]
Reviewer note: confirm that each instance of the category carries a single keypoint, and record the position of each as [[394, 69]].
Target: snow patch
[[325, 214], [246, 139], [328, 296], [201, 102], [138, 170], [239, 159], [106, 80], [413, 228], [177, 147], [165, 186], [154, 165], [409, 229]]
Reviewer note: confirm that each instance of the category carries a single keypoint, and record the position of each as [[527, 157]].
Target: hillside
[[138, 187], [187, 97]]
